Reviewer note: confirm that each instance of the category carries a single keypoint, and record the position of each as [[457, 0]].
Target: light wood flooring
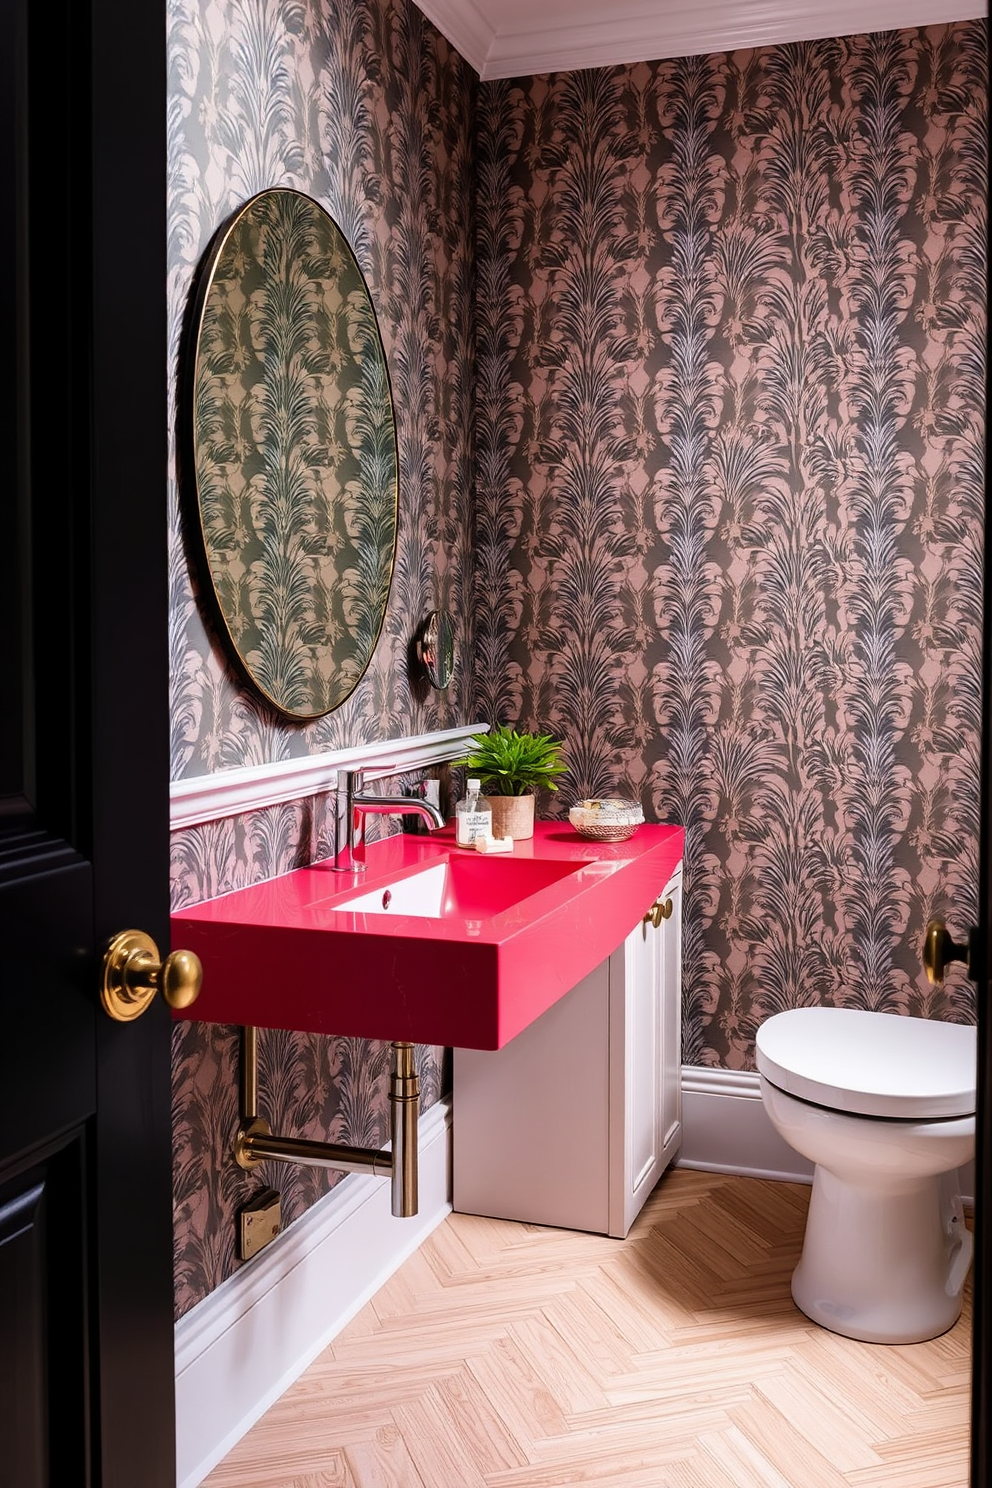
[[515, 1356]]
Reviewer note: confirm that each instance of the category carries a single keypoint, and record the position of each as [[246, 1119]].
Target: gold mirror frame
[[292, 451]]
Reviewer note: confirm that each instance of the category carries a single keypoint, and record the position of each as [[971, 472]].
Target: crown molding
[[470, 33], [502, 39]]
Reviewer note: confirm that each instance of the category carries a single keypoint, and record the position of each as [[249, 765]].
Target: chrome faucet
[[352, 805]]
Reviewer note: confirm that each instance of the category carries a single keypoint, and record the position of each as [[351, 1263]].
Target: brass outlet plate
[[259, 1223]]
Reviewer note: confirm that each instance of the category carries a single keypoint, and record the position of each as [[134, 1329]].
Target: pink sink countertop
[[517, 931]]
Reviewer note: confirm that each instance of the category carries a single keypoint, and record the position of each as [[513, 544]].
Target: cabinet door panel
[[644, 1095], [670, 1001], [646, 1070]]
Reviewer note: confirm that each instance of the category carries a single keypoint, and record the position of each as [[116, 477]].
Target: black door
[[86, 1342], [981, 970]]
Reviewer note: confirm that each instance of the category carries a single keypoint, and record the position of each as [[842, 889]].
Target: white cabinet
[[575, 1120]]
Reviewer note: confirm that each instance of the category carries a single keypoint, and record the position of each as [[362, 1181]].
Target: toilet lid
[[873, 1064]]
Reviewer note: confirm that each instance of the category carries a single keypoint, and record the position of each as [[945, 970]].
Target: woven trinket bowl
[[606, 818]]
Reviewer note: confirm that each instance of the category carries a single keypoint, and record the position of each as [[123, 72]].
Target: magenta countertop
[[279, 954]]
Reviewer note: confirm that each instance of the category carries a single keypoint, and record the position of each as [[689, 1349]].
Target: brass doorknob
[[133, 973], [939, 950], [660, 910]]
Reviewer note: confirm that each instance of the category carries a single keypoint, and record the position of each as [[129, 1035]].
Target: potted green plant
[[512, 767]]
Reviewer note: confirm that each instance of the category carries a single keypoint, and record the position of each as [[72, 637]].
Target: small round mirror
[[293, 452], [436, 647]]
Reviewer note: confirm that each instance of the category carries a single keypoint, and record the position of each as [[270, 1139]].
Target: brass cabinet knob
[[133, 973], [660, 910], [939, 950]]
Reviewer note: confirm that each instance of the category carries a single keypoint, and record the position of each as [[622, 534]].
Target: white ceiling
[[518, 38]]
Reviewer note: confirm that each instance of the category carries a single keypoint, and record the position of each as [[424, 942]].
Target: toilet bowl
[[884, 1106]]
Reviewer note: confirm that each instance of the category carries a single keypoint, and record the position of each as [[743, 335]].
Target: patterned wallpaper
[[730, 420], [725, 508], [362, 105]]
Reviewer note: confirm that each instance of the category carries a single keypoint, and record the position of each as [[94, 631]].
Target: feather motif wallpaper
[[730, 487], [688, 361], [361, 105]]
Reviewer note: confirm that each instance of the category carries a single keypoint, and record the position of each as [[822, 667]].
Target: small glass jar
[[473, 815]]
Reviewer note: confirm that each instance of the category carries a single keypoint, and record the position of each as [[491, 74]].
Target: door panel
[[85, 1145], [23, 1363], [48, 1010], [43, 1280]]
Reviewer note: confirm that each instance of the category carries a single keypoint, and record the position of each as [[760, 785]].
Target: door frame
[[130, 763]]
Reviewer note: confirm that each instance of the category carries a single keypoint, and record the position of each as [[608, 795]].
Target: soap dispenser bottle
[[473, 815]]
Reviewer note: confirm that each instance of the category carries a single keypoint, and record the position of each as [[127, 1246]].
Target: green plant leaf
[[514, 764]]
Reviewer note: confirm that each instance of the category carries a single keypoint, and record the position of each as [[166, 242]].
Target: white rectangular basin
[[421, 894], [466, 886]]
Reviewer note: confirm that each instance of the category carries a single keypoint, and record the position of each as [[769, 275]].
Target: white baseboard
[[244, 1344], [725, 1129]]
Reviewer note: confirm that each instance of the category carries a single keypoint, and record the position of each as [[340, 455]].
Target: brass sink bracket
[[256, 1144]]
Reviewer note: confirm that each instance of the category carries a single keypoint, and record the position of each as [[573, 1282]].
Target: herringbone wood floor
[[513, 1356]]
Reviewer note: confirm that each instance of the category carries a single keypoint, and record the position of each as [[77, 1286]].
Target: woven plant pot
[[513, 816]]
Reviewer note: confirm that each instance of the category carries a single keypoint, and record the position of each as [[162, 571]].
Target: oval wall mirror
[[293, 451]]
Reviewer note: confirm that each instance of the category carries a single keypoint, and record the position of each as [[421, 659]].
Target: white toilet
[[884, 1105]]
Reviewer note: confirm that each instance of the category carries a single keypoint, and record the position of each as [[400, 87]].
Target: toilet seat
[[871, 1064]]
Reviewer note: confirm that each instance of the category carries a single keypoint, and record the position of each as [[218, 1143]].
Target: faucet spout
[[351, 806]]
